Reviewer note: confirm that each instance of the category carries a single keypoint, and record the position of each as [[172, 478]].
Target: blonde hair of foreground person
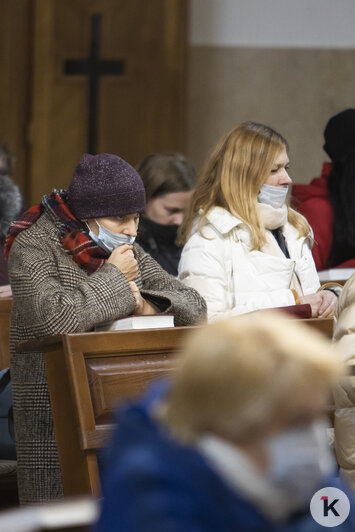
[[232, 177], [236, 377]]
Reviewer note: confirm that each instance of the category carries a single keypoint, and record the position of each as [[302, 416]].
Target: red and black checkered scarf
[[74, 236]]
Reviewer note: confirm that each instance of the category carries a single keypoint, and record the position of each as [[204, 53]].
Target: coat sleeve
[[46, 307], [206, 265], [169, 294], [344, 391], [164, 504]]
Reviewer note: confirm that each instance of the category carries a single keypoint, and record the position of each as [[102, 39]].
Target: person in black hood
[[10, 207], [169, 180]]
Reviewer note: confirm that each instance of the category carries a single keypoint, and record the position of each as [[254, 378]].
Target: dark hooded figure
[[328, 201]]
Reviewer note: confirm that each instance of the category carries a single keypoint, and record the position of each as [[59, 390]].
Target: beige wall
[[293, 90]]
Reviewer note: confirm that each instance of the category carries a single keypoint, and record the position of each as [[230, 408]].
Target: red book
[[298, 311]]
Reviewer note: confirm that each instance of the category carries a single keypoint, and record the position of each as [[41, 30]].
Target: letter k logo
[[329, 507]]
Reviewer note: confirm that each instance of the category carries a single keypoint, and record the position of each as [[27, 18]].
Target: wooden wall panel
[[15, 94], [139, 112]]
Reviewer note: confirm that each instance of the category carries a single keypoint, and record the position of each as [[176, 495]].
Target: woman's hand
[[328, 304], [123, 258], [143, 308], [322, 303]]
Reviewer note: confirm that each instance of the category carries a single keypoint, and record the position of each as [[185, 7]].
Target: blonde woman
[[245, 248], [237, 442]]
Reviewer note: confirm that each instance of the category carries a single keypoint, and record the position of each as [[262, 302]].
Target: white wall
[[273, 23]]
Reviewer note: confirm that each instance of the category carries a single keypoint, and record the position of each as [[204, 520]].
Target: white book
[[155, 321], [336, 274]]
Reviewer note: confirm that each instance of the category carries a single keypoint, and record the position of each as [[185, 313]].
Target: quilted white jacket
[[344, 393], [234, 280]]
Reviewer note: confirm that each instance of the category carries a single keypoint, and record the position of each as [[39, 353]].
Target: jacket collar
[[222, 220]]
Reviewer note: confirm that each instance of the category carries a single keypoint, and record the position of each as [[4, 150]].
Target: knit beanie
[[105, 185], [339, 135]]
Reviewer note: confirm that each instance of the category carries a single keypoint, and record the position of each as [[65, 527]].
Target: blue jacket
[[154, 484]]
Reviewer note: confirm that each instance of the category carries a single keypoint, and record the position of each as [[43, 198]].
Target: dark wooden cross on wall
[[94, 68]]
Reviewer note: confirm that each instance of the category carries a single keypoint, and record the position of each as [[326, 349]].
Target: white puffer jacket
[[344, 393], [234, 280]]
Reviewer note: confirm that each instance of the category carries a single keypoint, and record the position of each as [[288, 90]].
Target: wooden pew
[[89, 374], [5, 313], [323, 325]]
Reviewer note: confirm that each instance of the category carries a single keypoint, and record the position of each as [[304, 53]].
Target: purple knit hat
[[105, 185]]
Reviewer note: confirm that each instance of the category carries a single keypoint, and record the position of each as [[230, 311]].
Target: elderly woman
[[236, 442], [245, 249], [73, 265]]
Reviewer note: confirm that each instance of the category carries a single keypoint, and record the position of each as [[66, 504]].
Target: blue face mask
[[274, 196], [109, 240]]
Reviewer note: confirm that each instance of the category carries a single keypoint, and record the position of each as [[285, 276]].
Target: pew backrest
[[89, 375]]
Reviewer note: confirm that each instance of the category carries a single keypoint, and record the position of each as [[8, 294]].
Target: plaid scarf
[[74, 237]]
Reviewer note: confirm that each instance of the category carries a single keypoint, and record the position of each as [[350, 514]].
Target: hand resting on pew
[[143, 308], [322, 303]]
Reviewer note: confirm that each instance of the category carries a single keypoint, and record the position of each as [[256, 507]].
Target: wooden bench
[[89, 374], [5, 313]]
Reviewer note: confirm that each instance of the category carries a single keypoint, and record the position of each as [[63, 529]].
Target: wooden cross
[[93, 67]]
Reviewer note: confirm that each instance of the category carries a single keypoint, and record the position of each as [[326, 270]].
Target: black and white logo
[[330, 507]]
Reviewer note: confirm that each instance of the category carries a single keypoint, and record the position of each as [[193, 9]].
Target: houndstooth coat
[[52, 295]]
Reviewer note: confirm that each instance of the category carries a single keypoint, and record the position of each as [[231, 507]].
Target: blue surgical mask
[[271, 195], [299, 459], [109, 240]]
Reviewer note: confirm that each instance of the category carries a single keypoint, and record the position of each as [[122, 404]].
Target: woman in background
[[328, 201], [10, 207], [245, 248], [169, 179]]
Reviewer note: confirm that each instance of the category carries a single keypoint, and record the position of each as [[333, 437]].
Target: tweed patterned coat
[[52, 295]]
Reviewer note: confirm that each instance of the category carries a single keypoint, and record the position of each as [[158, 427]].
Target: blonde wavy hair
[[235, 376], [232, 177]]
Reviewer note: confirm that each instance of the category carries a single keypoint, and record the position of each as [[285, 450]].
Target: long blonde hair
[[232, 177]]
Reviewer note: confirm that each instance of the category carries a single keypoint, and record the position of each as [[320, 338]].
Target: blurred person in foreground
[[344, 392], [169, 180], [235, 442]]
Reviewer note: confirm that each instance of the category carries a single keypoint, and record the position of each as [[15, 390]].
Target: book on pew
[[155, 321], [336, 274], [297, 311]]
